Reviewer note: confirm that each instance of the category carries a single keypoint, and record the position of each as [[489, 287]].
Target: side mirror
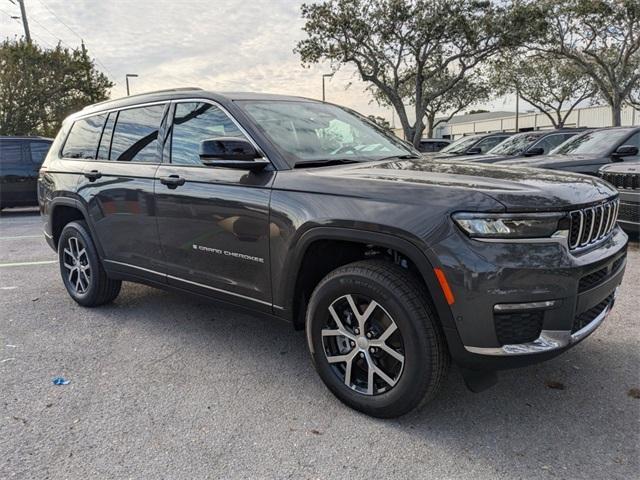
[[533, 151], [231, 152], [473, 151], [624, 151]]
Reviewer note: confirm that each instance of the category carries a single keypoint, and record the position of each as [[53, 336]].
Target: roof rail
[[166, 90]]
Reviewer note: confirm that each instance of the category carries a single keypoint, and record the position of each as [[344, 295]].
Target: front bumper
[[570, 294]]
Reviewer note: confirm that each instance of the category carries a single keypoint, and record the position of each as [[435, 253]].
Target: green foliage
[[40, 87], [413, 51], [552, 84], [478, 110], [380, 121], [601, 38]]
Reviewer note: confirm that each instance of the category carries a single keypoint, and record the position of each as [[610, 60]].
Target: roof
[[476, 117], [173, 93], [25, 137]]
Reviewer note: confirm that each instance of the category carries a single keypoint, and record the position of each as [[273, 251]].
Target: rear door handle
[[172, 181], [93, 175]]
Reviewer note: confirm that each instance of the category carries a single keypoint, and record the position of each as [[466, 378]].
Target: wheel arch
[[294, 271], [64, 210]]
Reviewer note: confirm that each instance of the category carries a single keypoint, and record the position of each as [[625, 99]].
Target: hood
[[517, 189], [556, 161]]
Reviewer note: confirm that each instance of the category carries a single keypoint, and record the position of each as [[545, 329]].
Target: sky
[[223, 45]]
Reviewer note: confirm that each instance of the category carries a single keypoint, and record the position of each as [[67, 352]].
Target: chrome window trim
[[228, 114]]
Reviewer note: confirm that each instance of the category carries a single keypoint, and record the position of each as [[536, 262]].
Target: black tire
[[403, 300], [90, 289]]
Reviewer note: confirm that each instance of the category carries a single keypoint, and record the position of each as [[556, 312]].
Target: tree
[[553, 85], [421, 49], [601, 37], [478, 110], [380, 121], [40, 87]]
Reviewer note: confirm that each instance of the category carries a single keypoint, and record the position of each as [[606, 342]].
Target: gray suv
[[393, 264]]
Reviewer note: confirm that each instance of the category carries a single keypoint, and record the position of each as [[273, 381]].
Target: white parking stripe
[[24, 264], [21, 236]]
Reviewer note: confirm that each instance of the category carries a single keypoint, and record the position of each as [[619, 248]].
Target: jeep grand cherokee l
[[393, 264]]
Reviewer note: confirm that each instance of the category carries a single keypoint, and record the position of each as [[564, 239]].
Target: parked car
[[587, 152], [20, 160], [473, 144], [625, 176], [430, 145], [393, 264], [529, 144]]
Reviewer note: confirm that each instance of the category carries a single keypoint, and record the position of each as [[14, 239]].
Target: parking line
[[21, 236], [24, 264]]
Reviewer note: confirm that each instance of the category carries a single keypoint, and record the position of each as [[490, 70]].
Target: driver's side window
[[633, 140], [194, 122]]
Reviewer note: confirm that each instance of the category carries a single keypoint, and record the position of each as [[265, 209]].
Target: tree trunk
[[616, 112]]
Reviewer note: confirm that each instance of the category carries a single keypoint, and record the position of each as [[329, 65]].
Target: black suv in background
[[430, 145], [392, 263], [587, 152], [625, 176], [529, 144], [473, 144], [20, 160]]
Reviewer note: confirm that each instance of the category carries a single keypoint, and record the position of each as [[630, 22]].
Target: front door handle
[[93, 175], [172, 181]]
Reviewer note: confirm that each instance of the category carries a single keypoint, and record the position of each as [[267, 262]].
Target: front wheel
[[81, 269], [374, 338]]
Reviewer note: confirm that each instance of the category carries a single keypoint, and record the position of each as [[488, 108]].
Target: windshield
[[514, 145], [310, 132], [461, 144], [597, 142]]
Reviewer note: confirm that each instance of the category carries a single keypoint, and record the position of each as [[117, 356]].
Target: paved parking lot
[[165, 386]]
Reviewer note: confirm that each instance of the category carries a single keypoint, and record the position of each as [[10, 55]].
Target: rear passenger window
[[135, 136], [194, 122], [10, 152], [83, 138], [39, 150]]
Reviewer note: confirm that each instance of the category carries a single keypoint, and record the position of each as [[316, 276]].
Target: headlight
[[506, 226]]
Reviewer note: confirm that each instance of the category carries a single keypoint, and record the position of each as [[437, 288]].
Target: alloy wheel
[[76, 263], [363, 344]]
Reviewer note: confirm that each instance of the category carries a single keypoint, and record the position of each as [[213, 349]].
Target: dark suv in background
[[588, 151], [20, 160], [625, 176], [529, 144], [392, 263], [473, 144]]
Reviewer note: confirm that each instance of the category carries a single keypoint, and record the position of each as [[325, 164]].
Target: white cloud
[[220, 45]]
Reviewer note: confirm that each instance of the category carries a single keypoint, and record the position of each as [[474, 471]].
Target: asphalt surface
[[168, 386]]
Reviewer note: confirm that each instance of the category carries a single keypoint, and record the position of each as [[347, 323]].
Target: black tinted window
[[39, 150], [634, 140], [135, 137], [105, 140], [82, 141], [10, 152], [194, 122]]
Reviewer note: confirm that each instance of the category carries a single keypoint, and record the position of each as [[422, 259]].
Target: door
[[117, 188], [13, 176], [213, 222], [35, 153]]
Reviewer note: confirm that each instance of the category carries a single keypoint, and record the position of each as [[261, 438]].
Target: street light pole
[[325, 75], [126, 77]]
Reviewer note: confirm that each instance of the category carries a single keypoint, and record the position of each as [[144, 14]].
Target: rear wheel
[[81, 269], [374, 338]]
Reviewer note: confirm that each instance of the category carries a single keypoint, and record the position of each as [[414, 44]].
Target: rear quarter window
[[10, 152], [38, 151], [83, 138]]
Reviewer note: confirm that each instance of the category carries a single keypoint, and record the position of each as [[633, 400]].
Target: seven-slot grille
[[588, 225], [622, 180]]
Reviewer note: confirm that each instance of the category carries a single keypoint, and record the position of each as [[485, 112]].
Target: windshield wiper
[[401, 157], [324, 162]]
